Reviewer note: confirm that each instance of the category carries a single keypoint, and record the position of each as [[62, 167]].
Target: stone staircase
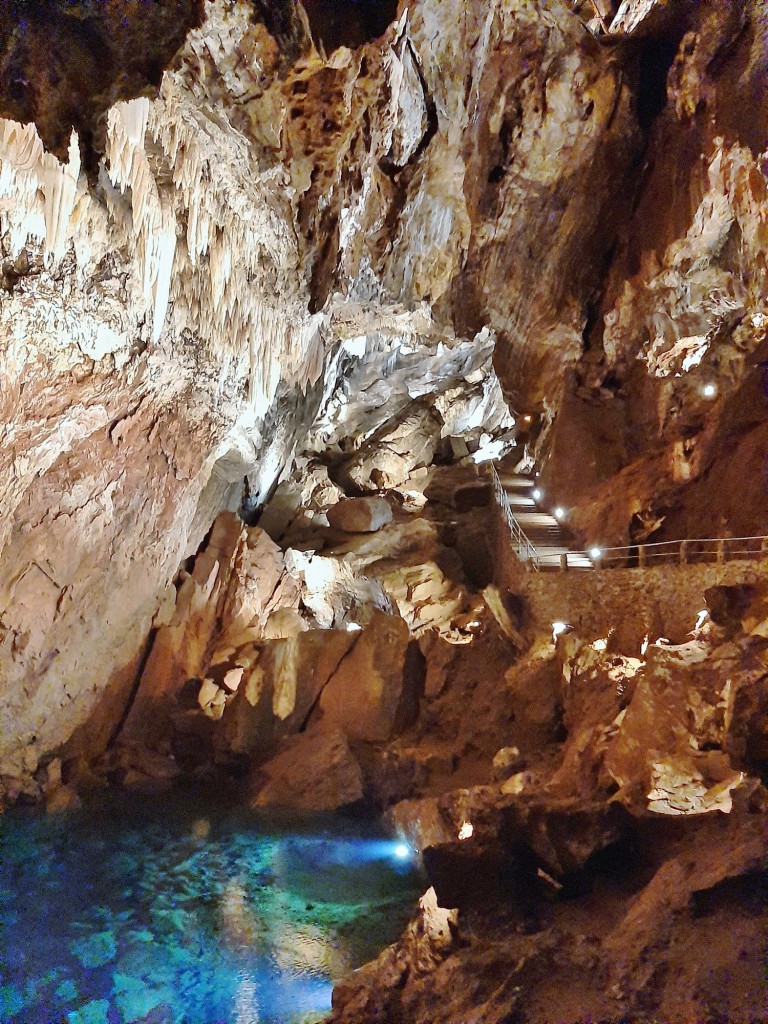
[[540, 527]]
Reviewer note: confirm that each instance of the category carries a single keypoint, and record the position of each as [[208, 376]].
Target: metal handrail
[[526, 552], [690, 550], [677, 543]]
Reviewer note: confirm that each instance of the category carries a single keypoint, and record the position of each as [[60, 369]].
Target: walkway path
[[540, 542], [540, 527]]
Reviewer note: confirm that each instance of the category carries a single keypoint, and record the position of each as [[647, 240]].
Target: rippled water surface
[[174, 911]]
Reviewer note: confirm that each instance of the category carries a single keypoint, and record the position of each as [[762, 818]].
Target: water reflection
[[246, 1006], [188, 915]]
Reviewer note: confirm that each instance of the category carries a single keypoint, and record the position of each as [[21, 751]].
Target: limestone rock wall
[[666, 409], [610, 862], [160, 314], [223, 262]]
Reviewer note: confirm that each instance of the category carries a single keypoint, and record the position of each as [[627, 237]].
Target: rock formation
[[277, 279], [583, 885]]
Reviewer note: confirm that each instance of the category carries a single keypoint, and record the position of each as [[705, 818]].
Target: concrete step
[[512, 480], [539, 526]]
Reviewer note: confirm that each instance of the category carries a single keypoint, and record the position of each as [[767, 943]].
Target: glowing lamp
[[595, 553], [466, 831], [559, 513], [402, 851], [537, 494], [709, 390], [558, 628]]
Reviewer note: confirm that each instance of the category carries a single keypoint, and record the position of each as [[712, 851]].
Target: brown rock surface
[[172, 318], [668, 398], [582, 945], [63, 798], [375, 690], [360, 515], [315, 771], [589, 884], [276, 248], [278, 692], [180, 649], [95, 55]]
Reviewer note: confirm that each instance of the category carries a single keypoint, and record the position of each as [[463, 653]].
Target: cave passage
[[350, 23]]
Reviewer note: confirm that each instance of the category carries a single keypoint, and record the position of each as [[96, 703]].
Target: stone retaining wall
[[660, 601]]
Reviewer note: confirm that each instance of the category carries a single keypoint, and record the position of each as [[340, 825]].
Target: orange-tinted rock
[[181, 649], [360, 515], [375, 690], [277, 694], [314, 771], [257, 571], [62, 799]]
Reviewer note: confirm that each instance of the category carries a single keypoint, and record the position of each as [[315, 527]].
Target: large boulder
[[314, 771], [180, 648], [360, 515], [375, 690], [280, 689]]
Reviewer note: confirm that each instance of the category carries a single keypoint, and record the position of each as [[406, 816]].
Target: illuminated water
[[163, 912]]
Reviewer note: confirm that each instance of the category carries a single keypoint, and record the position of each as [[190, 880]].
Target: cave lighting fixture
[[701, 618], [559, 513], [709, 390], [537, 494], [402, 851], [595, 553], [466, 831], [558, 628]]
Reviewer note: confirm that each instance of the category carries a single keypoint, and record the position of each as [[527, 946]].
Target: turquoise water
[[175, 911]]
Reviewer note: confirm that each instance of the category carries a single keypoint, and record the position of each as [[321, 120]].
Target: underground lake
[[176, 910]]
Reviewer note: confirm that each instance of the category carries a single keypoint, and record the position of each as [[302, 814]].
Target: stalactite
[[225, 301], [29, 174]]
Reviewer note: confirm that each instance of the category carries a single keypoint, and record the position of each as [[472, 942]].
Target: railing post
[[720, 552], [764, 547], [641, 556], [526, 552], [683, 552], [564, 561]]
